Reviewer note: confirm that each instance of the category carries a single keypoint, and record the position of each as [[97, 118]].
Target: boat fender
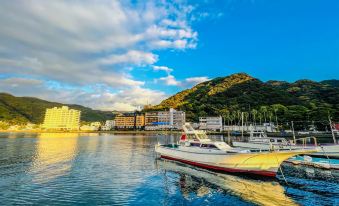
[[307, 158]]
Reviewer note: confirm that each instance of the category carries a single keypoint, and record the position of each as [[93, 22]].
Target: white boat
[[322, 163], [259, 140], [195, 148]]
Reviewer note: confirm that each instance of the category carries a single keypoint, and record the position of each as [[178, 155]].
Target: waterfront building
[[109, 125], [130, 121], [177, 118], [151, 118], [210, 123], [162, 120], [62, 118], [87, 127]]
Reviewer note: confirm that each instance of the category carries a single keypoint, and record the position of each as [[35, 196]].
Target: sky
[[119, 55]]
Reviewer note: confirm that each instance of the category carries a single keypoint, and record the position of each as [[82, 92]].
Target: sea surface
[[107, 169]]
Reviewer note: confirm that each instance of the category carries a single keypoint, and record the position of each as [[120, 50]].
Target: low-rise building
[[210, 123], [109, 125], [88, 128], [96, 124]]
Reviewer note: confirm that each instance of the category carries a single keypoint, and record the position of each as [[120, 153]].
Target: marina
[[108, 169]]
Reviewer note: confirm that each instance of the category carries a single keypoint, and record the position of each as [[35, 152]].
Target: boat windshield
[[209, 146], [222, 145]]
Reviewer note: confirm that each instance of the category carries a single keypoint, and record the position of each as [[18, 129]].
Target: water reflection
[[199, 181], [106, 169], [54, 155]]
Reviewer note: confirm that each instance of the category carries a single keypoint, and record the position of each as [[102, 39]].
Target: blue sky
[[119, 54]]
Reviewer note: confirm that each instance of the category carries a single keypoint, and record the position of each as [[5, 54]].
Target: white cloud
[[131, 57], [100, 97], [196, 80], [162, 68], [170, 80], [88, 42]]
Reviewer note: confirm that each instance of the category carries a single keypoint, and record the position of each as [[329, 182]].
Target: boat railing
[[305, 140]]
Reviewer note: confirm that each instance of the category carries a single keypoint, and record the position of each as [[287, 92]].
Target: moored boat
[[195, 148], [259, 140]]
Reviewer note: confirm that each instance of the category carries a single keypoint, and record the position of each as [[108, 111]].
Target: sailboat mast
[[293, 132], [333, 136], [242, 124]]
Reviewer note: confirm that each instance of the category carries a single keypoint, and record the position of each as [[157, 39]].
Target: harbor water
[[111, 169]]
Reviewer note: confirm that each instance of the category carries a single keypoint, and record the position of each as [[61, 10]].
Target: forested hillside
[[303, 100], [29, 109]]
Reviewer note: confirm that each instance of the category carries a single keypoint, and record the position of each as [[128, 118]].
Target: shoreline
[[79, 132], [225, 134]]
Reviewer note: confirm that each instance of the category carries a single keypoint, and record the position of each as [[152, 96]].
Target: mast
[[293, 132], [333, 136], [242, 125]]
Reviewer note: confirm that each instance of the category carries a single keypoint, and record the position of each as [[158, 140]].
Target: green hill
[[231, 95], [29, 109]]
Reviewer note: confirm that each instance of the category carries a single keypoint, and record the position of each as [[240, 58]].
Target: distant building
[[161, 120], [109, 125], [130, 121], [62, 118], [177, 118], [210, 123], [96, 124], [151, 118], [88, 128]]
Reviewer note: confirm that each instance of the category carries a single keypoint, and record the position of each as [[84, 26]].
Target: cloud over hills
[[83, 51]]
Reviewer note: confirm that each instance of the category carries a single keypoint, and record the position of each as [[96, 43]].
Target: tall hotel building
[[160, 120], [62, 119], [130, 121]]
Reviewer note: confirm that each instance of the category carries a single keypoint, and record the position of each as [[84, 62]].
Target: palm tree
[[254, 112], [260, 117], [263, 109]]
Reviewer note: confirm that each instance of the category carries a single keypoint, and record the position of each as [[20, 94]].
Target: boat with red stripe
[[195, 148]]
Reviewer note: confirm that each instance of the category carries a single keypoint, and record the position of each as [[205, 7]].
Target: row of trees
[[279, 114]]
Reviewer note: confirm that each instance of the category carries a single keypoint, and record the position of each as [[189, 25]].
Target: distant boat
[[259, 140], [195, 148]]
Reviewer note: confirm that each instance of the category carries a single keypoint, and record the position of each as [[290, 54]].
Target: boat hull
[[264, 163], [223, 169]]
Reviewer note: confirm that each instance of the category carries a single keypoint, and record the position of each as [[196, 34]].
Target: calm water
[[92, 169]]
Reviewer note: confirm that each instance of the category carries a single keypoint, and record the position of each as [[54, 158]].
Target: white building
[[210, 123], [177, 118], [109, 125], [88, 128]]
